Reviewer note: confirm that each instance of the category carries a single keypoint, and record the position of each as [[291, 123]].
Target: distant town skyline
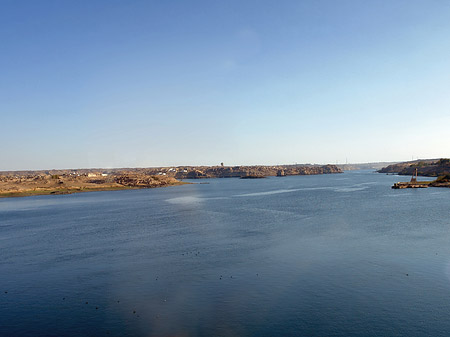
[[102, 84]]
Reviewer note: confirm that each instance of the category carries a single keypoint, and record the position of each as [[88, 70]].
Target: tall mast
[[414, 177]]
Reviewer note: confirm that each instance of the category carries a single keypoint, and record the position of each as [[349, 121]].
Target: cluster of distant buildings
[[172, 170]]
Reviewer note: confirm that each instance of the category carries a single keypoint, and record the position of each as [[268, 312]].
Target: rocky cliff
[[429, 168], [198, 172]]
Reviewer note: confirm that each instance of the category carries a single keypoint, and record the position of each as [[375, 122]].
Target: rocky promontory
[[71, 181], [439, 168], [428, 168]]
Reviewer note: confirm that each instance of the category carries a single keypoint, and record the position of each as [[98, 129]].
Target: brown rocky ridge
[[199, 172], [69, 181], [439, 168], [409, 167], [26, 183], [426, 167]]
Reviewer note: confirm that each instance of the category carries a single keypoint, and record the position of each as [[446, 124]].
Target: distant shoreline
[[51, 182]]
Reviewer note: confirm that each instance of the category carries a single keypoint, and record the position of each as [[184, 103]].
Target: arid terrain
[[426, 167], [26, 183], [37, 183], [439, 168], [198, 172]]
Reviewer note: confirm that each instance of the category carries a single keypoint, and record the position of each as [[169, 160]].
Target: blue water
[[330, 255]]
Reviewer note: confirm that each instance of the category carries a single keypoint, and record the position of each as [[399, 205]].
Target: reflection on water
[[351, 189], [337, 255], [190, 199], [256, 194]]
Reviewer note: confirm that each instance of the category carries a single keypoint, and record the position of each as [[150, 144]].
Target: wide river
[[328, 255]]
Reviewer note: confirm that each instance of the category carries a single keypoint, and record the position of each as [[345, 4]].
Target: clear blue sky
[[148, 83]]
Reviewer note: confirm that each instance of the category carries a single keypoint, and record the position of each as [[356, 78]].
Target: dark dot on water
[[118, 301], [86, 302], [134, 311], [6, 292], [96, 308], [64, 298], [407, 274]]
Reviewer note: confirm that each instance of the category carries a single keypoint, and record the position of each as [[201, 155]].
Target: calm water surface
[[331, 255]]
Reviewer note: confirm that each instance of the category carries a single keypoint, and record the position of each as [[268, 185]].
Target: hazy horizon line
[[205, 165]]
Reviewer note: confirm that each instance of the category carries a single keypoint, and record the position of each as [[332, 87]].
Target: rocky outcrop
[[429, 168], [442, 181], [80, 180], [198, 172], [143, 181], [97, 176], [65, 183]]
